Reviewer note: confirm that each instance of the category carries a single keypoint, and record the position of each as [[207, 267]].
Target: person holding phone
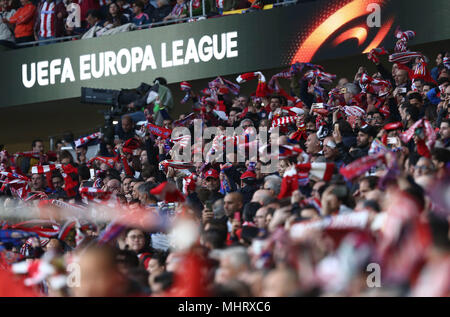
[[207, 213], [233, 205]]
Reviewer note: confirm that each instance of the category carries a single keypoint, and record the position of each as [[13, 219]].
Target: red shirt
[[24, 20]]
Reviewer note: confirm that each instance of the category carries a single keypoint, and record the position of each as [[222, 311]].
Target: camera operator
[[158, 96]]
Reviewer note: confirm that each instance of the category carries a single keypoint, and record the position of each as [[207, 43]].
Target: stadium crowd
[[24, 21], [357, 204]]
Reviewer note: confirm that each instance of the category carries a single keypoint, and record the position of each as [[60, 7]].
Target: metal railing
[[58, 39], [145, 26]]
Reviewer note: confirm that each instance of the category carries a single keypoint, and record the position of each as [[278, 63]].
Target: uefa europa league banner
[[221, 46]]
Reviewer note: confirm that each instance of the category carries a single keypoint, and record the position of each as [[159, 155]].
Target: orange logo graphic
[[341, 17]]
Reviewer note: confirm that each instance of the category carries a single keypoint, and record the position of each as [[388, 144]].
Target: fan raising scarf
[[40, 227], [319, 76], [430, 135], [421, 72], [215, 84], [43, 169], [367, 83], [86, 139], [362, 165], [261, 90], [291, 176], [94, 194], [18, 184], [374, 53], [187, 88], [110, 161]]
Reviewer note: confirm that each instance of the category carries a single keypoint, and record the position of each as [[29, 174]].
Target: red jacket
[[24, 20]]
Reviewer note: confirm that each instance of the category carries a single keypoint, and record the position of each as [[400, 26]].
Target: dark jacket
[[160, 13], [247, 193], [122, 134]]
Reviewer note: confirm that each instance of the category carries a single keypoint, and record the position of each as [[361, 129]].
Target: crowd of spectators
[[24, 21], [357, 204]]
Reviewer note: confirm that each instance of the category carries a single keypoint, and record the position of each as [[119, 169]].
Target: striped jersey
[[48, 16]]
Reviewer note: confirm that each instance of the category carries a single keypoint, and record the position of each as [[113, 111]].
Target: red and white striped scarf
[[27, 246], [289, 184], [187, 88], [262, 89], [354, 111], [189, 183], [300, 133], [43, 169], [36, 196], [273, 81], [421, 72], [353, 221], [319, 76], [92, 190], [293, 110], [94, 194], [374, 53], [283, 121], [183, 140], [367, 82], [403, 38], [30, 154], [362, 165], [406, 35], [86, 139], [404, 57], [163, 165], [64, 205], [38, 226], [220, 82], [430, 134], [14, 176], [323, 171], [79, 235], [110, 161], [20, 192], [18, 184]]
